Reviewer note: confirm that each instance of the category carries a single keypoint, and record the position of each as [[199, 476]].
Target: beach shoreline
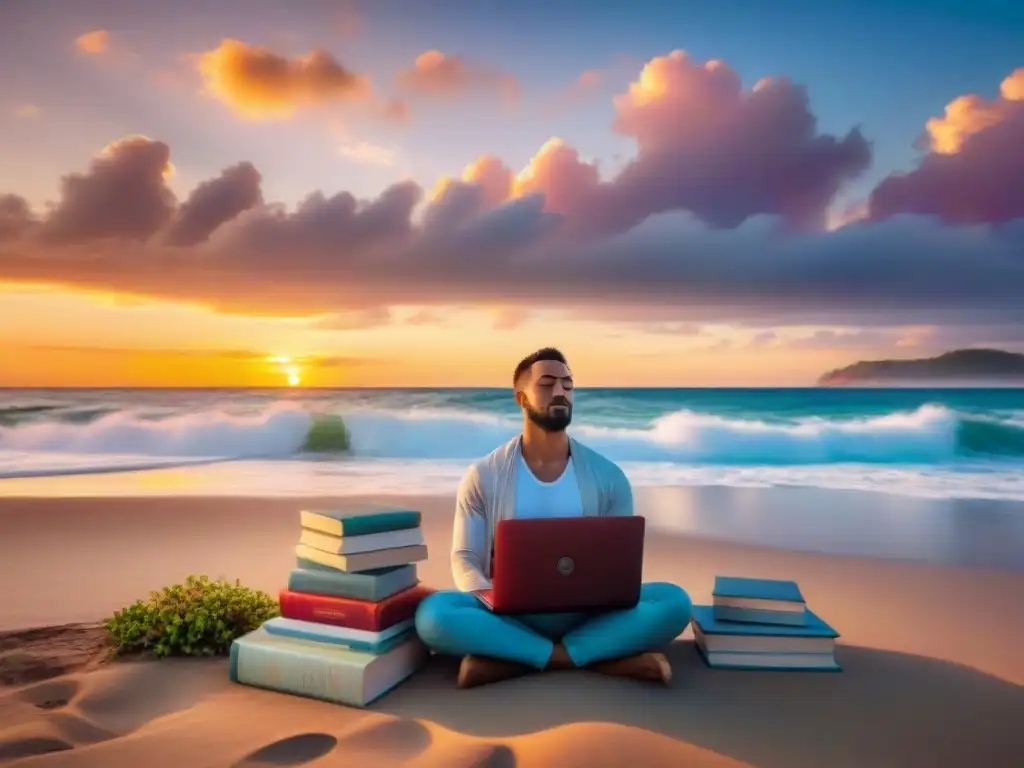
[[930, 652], [987, 533], [114, 551]]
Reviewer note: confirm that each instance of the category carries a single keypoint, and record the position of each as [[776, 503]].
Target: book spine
[[354, 614], [382, 558], [293, 671], [352, 585], [355, 545], [362, 525], [306, 564], [337, 611]]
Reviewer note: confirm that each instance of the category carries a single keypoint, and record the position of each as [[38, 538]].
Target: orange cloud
[[493, 176], [971, 114], [440, 74], [487, 180], [974, 170], [557, 172], [258, 83], [94, 43], [27, 111]]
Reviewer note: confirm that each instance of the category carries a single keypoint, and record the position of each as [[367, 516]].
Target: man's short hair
[[547, 353]]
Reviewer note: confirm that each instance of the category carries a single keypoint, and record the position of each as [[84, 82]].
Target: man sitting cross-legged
[[543, 473]]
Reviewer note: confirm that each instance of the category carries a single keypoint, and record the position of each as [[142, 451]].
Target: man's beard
[[548, 420]]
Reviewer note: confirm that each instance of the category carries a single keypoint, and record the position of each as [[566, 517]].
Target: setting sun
[[290, 370]]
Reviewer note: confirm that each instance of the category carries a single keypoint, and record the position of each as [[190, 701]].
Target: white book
[[322, 670], [370, 542], [763, 643], [363, 561], [760, 604]]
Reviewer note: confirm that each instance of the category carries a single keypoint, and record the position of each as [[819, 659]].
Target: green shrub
[[198, 618]]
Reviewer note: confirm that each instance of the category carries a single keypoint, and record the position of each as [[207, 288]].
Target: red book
[[351, 613]]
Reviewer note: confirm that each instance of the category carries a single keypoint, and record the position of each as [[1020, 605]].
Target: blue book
[[356, 639], [355, 523], [815, 626], [372, 586], [759, 601], [735, 645]]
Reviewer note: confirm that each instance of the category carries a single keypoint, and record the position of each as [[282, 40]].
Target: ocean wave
[[276, 431], [927, 435]]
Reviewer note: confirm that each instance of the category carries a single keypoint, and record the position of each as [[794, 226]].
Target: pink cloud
[[706, 145], [974, 169], [712, 220], [435, 73]]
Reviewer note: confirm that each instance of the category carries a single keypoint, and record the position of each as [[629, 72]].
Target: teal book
[[356, 639], [324, 671], [351, 523], [778, 662], [763, 645], [759, 601], [372, 586]]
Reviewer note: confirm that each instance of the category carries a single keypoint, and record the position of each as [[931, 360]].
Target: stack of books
[[762, 624], [346, 631]]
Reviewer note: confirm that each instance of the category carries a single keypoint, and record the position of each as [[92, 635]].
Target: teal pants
[[457, 623]]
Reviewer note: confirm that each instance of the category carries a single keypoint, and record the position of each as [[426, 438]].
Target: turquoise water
[[939, 442]]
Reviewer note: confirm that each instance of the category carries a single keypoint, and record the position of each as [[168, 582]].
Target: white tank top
[[559, 498]]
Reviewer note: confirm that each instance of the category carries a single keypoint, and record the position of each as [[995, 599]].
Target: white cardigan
[[487, 495]]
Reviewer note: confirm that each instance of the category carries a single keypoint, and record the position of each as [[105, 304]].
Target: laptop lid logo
[[565, 566]]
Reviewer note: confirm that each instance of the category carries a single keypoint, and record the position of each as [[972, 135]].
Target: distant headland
[[961, 367]]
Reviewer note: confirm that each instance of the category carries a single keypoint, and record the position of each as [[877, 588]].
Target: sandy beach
[[933, 673]]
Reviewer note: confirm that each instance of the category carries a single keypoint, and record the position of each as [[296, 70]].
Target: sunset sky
[[399, 193]]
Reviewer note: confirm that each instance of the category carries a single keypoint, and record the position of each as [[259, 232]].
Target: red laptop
[[551, 565]]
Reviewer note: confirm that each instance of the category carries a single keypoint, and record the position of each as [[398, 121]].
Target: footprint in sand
[[482, 756], [30, 747], [77, 729], [50, 695], [295, 750], [395, 739]]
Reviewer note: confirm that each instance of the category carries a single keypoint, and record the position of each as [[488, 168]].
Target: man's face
[[546, 395]]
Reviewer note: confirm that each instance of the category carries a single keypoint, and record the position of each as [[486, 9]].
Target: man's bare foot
[[481, 670], [643, 666]]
